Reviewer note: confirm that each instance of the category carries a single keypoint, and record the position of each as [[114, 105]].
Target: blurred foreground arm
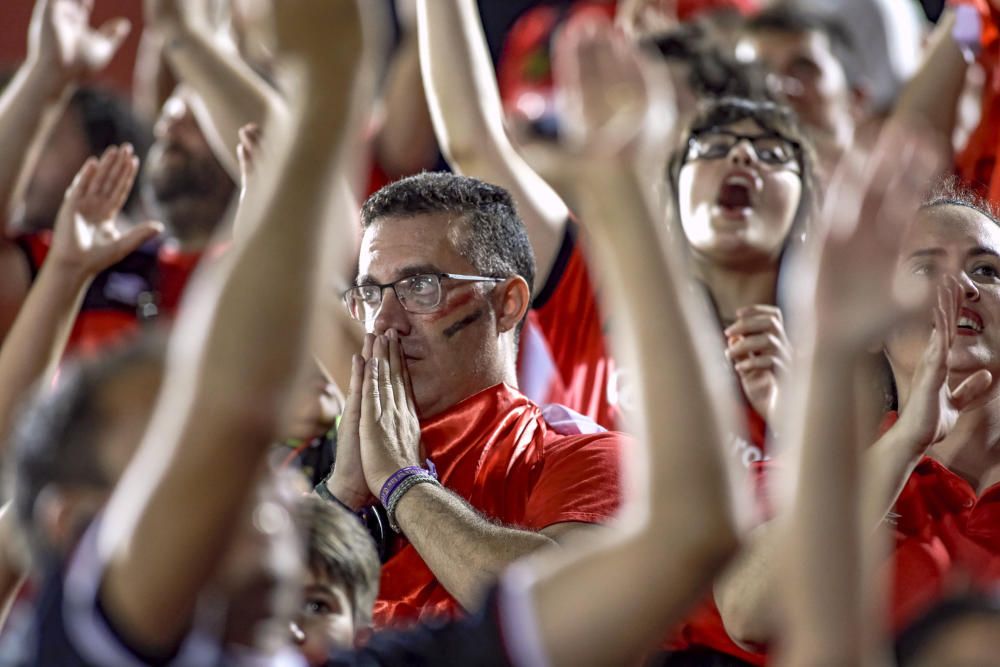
[[614, 600], [217, 411]]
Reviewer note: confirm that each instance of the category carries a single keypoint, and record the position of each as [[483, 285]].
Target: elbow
[[745, 621]]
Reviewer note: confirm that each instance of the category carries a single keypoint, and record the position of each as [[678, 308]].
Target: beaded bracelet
[[400, 491], [395, 479]]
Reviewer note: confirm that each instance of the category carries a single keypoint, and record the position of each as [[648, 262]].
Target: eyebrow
[[980, 250], [405, 272], [929, 252], [320, 588]]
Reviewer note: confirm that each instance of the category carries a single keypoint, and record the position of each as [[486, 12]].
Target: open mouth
[[736, 193], [969, 322]]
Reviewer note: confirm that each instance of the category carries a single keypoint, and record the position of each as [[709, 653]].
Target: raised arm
[[87, 239], [238, 346], [231, 93], [465, 106], [62, 50], [847, 301], [932, 94], [613, 601]]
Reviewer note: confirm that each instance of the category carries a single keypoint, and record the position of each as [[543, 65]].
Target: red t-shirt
[[566, 315], [944, 536], [497, 452], [565, 357], [113, 307]]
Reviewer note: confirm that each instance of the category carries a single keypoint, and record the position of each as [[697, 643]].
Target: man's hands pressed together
[[389, 429]]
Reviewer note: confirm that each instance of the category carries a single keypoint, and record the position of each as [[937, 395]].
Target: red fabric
[[97, 329], [525, 66], [585, 379], [176, 268], [495, 451], [976, 163], [944, 536], [572, 325]]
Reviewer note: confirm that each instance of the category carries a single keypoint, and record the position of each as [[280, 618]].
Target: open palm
[[62, 37], [88, 235], [933, 407]]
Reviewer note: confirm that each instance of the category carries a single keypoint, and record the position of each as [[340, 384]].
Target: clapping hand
[[62, 42], [933, 406], [88, 236]]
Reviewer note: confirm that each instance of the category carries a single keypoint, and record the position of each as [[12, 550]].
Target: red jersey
[[498, 453], [565, 357], [147, 283], [567, 317], [943, 535], [976, 163]]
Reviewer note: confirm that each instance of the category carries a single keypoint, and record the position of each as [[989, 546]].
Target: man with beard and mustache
[[185, 185]]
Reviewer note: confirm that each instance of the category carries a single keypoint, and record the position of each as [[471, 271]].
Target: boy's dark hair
[[338, 546], [495, 240], [57, 438], [785, 17]]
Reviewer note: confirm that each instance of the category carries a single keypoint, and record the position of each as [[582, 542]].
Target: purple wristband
[[396, 479]]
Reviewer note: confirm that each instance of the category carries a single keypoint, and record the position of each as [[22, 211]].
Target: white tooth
[[740, 180], [968, 322]]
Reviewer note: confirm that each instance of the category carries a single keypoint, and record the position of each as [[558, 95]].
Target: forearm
[[676, 530], [222, 397], [467, 115], [30, 106], [152, 80], [887, 465], [747, 591], [12, 567], [822, 570], [623, 588], [36, 341], [662, 325], [465, 551], [405, 141], [931, 96], [231, 92]]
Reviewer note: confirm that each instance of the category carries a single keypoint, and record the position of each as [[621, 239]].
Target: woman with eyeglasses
[[742, 188]]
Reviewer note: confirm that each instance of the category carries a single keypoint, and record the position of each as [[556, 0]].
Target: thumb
[[115, 31], [352, 405], [971, 389], [136, 236]]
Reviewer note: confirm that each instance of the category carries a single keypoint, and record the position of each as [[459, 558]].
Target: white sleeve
[[88, 629]]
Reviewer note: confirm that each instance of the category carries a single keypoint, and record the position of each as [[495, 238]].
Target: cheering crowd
[[667, 334]]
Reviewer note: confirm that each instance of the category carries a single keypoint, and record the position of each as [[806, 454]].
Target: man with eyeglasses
[[470, 472]]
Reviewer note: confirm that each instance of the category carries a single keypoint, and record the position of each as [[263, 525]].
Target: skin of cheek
[[452, 303]]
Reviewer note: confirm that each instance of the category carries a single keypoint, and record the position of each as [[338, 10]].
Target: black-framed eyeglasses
[[771, 148], [421, 293]]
